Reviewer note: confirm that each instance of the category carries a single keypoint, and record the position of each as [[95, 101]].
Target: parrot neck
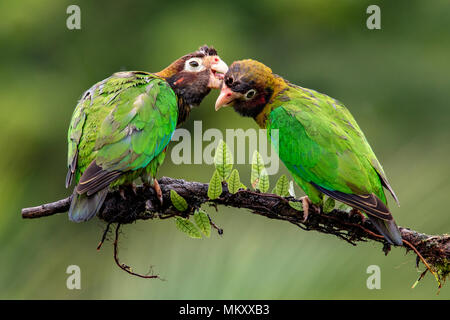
[[279, 86], [188, 95], [183, 107], [184, 110], [170, 71]]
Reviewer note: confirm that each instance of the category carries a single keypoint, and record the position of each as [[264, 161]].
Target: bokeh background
[[395, 81]]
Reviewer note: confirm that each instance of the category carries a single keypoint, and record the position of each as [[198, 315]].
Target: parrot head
[[248, 86], [193, 75]]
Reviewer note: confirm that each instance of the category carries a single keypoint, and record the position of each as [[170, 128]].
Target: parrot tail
[[374, 207], [389, 229], [84, 207]]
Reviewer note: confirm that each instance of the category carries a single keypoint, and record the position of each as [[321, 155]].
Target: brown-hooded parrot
[[319, 141], [121, 126]]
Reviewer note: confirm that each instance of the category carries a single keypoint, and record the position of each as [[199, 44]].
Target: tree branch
[[144, 204]]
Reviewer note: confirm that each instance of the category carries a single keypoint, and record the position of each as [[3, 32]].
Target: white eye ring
[[250, 94], [194, 65]]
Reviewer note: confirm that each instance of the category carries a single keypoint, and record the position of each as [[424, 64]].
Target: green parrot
[[121, 126], [318, 140]]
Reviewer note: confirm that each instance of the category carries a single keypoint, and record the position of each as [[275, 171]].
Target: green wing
[[119, 126], [325, 150], [320, 142]]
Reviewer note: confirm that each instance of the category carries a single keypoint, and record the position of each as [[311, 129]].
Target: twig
[[219, 230], [428, 268], [105, 233], [124, 267], [48, 209]]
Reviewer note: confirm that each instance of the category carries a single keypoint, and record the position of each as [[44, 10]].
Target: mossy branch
[[142, 204]]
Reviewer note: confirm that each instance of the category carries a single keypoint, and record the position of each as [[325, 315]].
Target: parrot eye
[[250, 94], [194, 65], [229, 81]]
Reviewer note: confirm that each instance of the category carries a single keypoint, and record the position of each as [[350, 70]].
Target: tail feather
[[388, 228], [374, 207], [84, 208]]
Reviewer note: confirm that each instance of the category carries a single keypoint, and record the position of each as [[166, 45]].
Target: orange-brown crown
[[252, 72]]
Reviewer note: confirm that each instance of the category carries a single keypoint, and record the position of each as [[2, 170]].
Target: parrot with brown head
[[122, 125], [317, 139]]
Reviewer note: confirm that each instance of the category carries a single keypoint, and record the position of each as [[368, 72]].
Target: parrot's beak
[[218, 70], [226, 97]]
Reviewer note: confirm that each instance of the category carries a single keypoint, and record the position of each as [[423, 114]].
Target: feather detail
[[84, 208], [375, 209], [120, 127], [95, 178], [368, 203]]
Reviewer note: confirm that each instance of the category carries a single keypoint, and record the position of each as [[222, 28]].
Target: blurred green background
[[395, 81]]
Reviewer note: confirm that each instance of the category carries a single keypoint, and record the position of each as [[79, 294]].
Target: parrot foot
[[357, 212], [158, 191], [134, 188], [122, 190], [122, 193], [305, 203]]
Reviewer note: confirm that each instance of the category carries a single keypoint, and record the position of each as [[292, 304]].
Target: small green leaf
[[263, 183], [259, 177], [282, 187], [243, 186], [343, 207], [255, 183], [215, 186], [257, 168], [202, 221], [223, 160], [188, 227], [296, 205], [234, 182], [178, 201], [328, 205]]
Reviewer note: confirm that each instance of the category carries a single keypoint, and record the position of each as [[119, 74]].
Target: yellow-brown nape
[[250, 70], [171, 70], [256, 74]]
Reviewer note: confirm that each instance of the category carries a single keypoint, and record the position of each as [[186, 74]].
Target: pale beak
[[226, 97], [219, 66], [218, 70]]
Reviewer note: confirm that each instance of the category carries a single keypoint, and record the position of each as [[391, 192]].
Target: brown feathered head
[[193, 76], [248, 87]]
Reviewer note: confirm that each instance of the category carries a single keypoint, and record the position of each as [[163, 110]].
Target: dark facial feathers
[[242, 78], [191, 87]]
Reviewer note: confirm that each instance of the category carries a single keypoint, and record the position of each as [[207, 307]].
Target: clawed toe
[[359, 213], [305, 204], [134, 188], [122, 193], [158, 191]]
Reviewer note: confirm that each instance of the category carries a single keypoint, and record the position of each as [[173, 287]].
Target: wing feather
[[140, 122], [329, 148], [369, 203]]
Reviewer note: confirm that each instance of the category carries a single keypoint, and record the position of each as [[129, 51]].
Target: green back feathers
[[321, 142], [122, 123], [119, 131], [327, 153]]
